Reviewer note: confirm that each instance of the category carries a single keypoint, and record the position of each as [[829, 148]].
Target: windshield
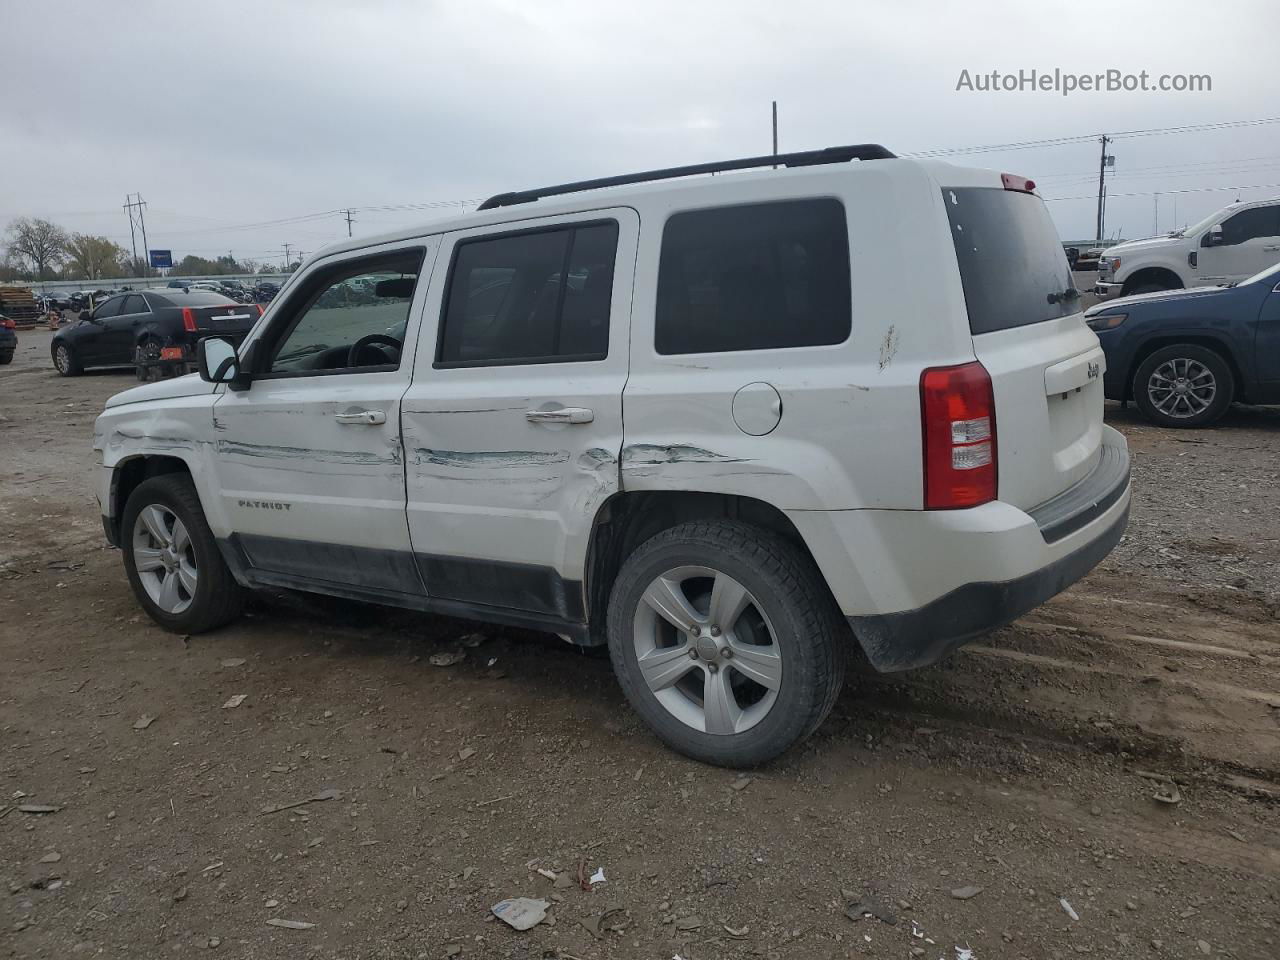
[[1012, 265], [1204, 224]]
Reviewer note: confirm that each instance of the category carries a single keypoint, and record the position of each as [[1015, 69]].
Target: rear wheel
[[172, 560], [1184, 385], [726, 641], [65, 361], [6, 358]]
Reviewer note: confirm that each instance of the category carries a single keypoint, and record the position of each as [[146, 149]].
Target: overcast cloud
[[227, 114]]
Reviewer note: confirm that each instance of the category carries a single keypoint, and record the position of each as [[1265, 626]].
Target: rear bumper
[[917, 638], [916, 584]]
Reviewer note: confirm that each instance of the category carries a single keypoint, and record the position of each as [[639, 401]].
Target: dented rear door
[[513, 424]]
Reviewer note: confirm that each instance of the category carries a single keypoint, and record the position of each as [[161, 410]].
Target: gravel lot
[[1021, 767]]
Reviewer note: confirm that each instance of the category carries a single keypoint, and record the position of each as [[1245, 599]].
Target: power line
[[1085, 137], [1166, 193]]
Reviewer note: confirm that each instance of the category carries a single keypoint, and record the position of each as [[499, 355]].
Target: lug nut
[[715, 630], [712, 667], [693, 654], [727, 653]]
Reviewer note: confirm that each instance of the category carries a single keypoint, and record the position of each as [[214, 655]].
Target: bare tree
[[37, 242], [95, 258]]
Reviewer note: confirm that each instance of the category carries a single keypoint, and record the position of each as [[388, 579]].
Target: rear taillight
[[8, 324], [958, 421], [188, 320], [1014, 182]]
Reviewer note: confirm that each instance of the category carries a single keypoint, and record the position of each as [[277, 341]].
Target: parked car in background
[[8, 339], [1183, 356], [1236, 242], [154, 330], [827, 441]]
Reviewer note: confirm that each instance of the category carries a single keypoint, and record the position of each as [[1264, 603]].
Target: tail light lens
[[8, 324], [188, 320], [958, 420], [1012, 181]]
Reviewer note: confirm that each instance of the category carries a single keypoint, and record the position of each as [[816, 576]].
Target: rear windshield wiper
[[1066, 296]]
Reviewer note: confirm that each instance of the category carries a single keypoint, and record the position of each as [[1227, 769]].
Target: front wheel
[[725, 640], [1184, 385], [64, 360], [172, 560]]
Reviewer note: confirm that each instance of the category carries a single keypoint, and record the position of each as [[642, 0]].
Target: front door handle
[[370, 418], [563, 415]]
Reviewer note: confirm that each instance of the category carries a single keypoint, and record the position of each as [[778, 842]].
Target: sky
[[248, 125]]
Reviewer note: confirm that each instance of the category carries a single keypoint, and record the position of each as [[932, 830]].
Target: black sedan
[[155, 331], [1184, 355]]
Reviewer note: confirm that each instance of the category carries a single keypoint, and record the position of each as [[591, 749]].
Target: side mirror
[[1214, 237], [86, 316], [217, 360]]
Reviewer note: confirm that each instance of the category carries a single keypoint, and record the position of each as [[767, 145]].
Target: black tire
[[65, 360], [1147, 287], [788, 590], [217, 599], [1217, 368], [6, 358]]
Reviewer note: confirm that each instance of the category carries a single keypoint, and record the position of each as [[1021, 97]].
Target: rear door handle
[[563, 415], [1271, 249], [370, 418]]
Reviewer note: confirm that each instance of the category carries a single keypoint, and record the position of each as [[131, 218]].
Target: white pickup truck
[[1233, 243]]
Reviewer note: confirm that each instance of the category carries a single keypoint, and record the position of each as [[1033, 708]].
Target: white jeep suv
[[728, 426]]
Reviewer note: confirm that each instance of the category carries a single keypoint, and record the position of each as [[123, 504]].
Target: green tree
[[95, 258], [38, 243]]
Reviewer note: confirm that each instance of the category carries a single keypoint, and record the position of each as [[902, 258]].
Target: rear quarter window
[[754, 277], [1012, 264]]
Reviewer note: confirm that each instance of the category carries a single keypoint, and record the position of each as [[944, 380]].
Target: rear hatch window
[[1012, 264]]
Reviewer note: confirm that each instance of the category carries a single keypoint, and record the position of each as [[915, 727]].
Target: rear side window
[[754, 277], [134, 304], [1012, 264], [531, 297]]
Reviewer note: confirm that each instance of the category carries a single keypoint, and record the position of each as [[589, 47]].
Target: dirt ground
[[1026, 766]]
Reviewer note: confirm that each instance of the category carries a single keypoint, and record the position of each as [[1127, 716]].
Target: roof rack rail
[[807, 158]]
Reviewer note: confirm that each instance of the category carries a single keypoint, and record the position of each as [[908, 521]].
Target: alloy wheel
[[1182, 388], [165, 559], [706, 650]]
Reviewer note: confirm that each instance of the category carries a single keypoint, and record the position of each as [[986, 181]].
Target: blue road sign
[[161, 259]]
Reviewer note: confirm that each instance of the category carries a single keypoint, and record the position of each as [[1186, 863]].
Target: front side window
[[535, 296], [108, 308], [754, 277], [1250, 225], [352, 318]]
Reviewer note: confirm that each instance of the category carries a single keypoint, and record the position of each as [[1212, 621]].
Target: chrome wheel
[[706, 650], [1182, 388], [165, 558], [62, 359]]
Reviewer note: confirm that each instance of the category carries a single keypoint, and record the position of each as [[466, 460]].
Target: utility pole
[[349, 221], [1102, 175], [286, 257], [775, 131], [137, 224]]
